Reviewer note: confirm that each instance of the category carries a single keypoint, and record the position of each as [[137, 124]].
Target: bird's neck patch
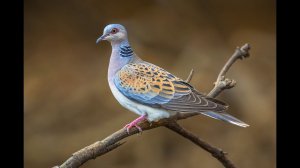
[[125, 51]]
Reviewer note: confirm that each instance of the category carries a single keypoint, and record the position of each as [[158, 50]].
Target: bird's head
[[113, 33]]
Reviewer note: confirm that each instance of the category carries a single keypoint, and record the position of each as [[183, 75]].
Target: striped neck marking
[[126, 51]]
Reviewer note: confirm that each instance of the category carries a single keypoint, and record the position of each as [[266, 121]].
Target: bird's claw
[[130, 125], [134, 123]]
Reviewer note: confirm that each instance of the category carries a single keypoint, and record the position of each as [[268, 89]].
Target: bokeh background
[[68, 104]]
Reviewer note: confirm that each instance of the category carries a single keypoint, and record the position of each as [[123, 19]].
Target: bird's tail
[[225, 117]]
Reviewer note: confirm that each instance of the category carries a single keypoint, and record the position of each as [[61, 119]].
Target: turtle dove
[[150, 91]]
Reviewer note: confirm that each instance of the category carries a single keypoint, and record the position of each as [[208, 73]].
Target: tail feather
[[225, 117]]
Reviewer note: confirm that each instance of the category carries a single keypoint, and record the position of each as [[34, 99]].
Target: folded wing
[[148, 84]]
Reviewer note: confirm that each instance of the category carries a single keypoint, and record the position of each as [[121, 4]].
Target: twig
[[113, 141], [189, 78], [223, 83], [217, 153]]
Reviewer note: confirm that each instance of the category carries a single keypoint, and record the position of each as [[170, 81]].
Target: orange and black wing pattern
[[149, 84]]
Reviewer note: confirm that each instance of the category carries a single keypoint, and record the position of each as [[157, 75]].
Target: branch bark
[[113, 141], [215, 152], [223, 83]]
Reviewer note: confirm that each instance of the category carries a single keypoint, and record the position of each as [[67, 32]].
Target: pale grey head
[[113, 33]]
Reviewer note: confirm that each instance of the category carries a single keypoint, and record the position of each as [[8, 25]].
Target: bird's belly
[[153, 114]]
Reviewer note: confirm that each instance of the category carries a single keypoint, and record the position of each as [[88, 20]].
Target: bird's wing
[[149, 84]]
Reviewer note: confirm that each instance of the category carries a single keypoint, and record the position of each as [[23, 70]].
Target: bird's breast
[[124, 101], [153, 114]]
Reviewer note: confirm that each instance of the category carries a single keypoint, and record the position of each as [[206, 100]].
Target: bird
[[149, 90]]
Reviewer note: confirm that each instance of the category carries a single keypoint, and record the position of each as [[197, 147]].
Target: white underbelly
[[153, 114]]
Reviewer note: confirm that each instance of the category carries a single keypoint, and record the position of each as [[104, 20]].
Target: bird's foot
[[134, 124]]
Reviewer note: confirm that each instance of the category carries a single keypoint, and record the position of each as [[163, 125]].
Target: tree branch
[[223, 83], [113, 141], [215, 152]]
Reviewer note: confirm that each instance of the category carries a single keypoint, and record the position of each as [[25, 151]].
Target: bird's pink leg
[[134, 123]]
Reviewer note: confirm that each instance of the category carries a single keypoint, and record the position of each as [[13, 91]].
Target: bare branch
[[223, 83], [189, 78], [215, 152], [113, 141]]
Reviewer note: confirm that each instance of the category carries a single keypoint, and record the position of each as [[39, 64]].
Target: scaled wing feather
[[151, 85]]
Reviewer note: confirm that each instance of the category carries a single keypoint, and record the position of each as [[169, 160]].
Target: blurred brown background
[[68, 104]]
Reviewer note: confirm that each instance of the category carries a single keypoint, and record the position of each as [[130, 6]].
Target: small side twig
[[189, 78], [113, 141]]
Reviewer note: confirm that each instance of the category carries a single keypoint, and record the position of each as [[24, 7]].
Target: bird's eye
[[114, 30]]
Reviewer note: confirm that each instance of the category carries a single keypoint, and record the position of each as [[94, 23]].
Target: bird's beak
[[101, 38]]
